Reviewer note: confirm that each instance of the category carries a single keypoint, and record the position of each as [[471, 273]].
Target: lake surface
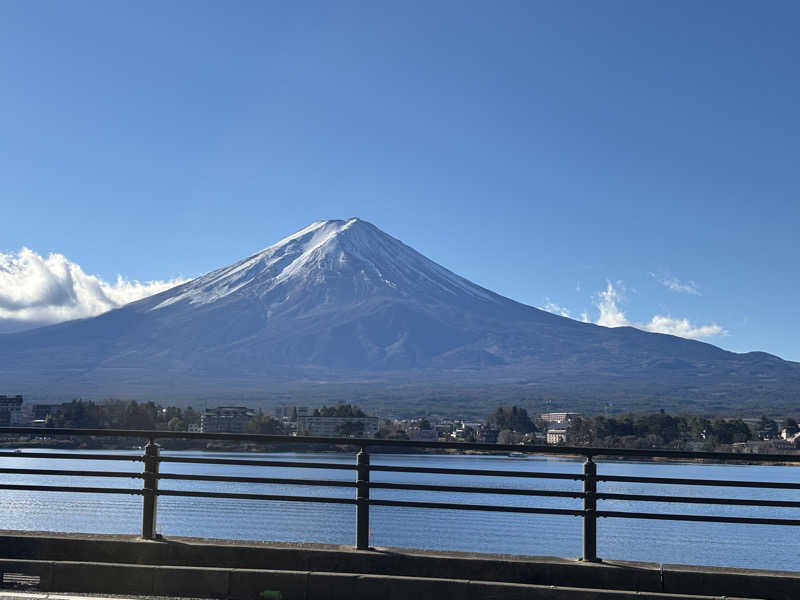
[[720, 544]]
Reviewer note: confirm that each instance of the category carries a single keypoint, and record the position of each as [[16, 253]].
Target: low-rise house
[[11, 411], [761, 446], [488, 435], [790, 437], [444, 430], [40, 412], [421, 435]]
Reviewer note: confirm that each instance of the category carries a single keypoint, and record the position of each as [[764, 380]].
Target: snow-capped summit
[[328, 262]]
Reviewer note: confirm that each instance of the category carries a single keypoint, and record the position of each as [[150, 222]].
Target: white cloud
[[676, 285], [682, 328], [610, 314], [39, 291], [607, 302], [555, 308]]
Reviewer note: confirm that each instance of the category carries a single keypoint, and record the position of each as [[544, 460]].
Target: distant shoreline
[[248, 448]]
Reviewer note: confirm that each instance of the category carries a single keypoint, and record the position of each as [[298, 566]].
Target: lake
[[718, 544]]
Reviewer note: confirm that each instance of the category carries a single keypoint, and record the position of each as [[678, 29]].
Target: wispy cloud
[[555, 308], [38, 291], [607, 304], [676, 285]]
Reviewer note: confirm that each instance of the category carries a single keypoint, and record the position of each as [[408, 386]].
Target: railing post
[[150, 490], [590, 511], [362, 500]]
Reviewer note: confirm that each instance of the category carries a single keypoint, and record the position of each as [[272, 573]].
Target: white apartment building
[[554, 418], [333, 426], [556, 436], [226, 419]]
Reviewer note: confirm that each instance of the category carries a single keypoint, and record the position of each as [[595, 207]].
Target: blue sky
[[602, 157]]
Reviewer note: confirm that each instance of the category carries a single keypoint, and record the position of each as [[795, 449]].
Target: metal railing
[[152, 459]]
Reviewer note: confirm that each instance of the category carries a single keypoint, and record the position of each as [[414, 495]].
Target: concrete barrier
[[239, 567], [196, 582], [749, 583], [320, 558], [245, 583], [248, 584]]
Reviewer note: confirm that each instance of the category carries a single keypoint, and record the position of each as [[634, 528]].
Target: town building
[[444, 430], [792, 438], [559, 418], [40, 412], [556, 425], [474, 425], [337, 426], [11, 411], [284, 412], [488, 435], [226, 419], [556, 436], [419, 434]]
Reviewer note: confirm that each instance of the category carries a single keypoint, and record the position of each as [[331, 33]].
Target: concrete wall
[[241, 584], [220, 564]]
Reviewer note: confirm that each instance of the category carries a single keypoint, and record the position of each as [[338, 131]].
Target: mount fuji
[[339, 307]]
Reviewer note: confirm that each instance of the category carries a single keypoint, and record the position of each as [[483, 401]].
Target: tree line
[[129, 414], [647, 430], [679, 432]]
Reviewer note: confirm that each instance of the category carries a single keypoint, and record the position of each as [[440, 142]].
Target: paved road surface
[[11, 594]]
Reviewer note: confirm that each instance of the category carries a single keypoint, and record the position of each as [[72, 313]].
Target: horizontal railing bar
[[403, 503], [257, 463], [71, 473], [702, 518], [473, 490], [71, 455], [62, 488], [486, 472], [242, 496], [483, 507], [375, 442], [705, 482], [699, 500], [385, 468], [265, 480]]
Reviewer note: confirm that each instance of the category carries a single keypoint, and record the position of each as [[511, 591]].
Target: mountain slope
[[343, 300]]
